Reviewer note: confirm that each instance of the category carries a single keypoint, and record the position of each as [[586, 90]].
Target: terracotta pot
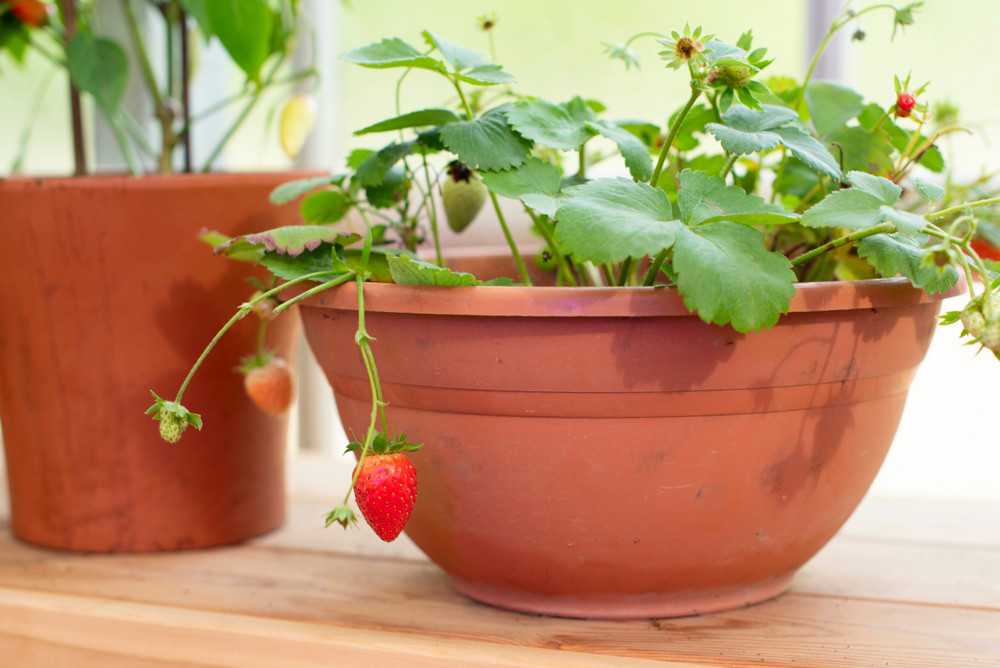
[[112, 295], [603, 453]]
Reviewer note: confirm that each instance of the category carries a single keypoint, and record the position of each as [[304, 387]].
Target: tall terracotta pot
[[110, 294], [604, 453]]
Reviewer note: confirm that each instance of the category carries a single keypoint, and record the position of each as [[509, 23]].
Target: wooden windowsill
[[905, 583]]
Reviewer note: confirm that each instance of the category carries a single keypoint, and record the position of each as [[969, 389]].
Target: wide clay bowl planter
[[603, 453], [112, 294]]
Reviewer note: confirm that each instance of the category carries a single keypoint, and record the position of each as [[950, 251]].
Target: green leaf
[[287, 192], [608, 220], [905, 222], [831, 105], [373, 169], [486, 143], [931, 191], [704, 199], [414, 119], [744, 130], [727, 276], [867, 203], [849, 208], [321, 258], [392, 53], [468, 65], [408, 271], [390, 191], [197, 9], [859, 149], [292, 239], [244, 27], [885, 190], [809, 150], [536, 183], [637, 158], [325, 206], [897, 254], [549, 124], [99, 67]]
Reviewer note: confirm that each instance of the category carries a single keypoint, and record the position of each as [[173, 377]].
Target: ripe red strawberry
[[29, 12], [270, 385], [906, 101], [386, 489]]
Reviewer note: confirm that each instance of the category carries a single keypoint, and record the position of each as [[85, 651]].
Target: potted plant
[[92, 318], [709, 384]]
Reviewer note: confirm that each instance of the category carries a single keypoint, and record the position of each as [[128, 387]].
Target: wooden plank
[[339, 596], [40, 628]]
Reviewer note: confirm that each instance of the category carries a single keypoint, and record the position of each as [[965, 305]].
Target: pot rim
[[109, 181], [521, 301]]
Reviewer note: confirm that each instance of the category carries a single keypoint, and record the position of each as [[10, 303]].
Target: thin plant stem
[[882, 228], [510, 240], [672, 133]]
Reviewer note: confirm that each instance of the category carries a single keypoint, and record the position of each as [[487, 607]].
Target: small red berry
[[270, 386], [386, 490], [906, 101], [29, 12]]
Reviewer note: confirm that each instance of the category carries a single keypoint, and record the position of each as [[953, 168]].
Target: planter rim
[[518, 301], [147, 181]]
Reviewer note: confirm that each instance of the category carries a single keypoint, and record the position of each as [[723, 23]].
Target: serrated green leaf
[[704, 199], [459, 57], [727, 276], [905, 222], [469, 66], [745, 130], [549, 124], [325, 206], [608, 220], [392, 53], [486, 143], [293, 239], [897, 254], [931, 191], [716, 51], [372, 170], [486, 75], [881, 188], [809, 150], [406, 270], [831, 105], [850, 209], [245, 28], [536, 183], [307, 262], [240, 251], [287, 192], [414, 119], [635, 153], [99, 67]]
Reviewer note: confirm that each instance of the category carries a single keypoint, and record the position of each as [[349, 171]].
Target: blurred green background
[[554, 48]]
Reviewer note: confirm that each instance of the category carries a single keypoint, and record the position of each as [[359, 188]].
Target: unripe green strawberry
[[463, 195], [985, 332], [172, 427], [736, 76]]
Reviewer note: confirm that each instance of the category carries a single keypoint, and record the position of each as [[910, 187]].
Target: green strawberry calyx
[[174, 418]]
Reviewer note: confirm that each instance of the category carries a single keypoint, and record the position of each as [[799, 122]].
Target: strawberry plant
[[753, 184]]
